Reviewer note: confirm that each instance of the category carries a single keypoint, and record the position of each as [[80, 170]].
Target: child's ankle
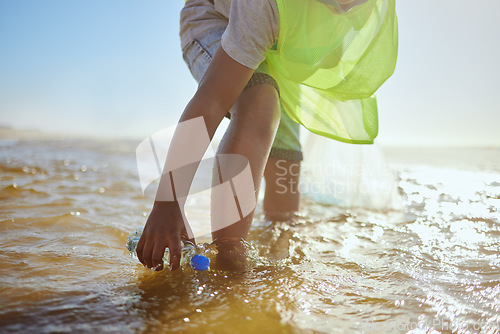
[[231, 253]]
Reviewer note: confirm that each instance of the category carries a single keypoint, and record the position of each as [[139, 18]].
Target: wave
[[14, 191]]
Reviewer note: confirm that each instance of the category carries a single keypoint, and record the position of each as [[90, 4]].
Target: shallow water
[[433, 267]]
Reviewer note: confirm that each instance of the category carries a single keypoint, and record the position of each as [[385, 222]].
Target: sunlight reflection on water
[[67, 208]]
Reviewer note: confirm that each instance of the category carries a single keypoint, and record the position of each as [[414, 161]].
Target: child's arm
[[219, 88]]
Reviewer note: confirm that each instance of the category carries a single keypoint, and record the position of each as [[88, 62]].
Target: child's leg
[[282, 196], [250, 133]]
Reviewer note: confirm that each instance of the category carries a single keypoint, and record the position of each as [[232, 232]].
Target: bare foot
[[232, 254]]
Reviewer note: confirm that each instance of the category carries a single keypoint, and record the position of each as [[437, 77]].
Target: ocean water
[[432, 266]]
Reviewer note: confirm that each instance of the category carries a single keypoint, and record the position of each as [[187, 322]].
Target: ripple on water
[[64, 266], [14, 191], [64, 222]]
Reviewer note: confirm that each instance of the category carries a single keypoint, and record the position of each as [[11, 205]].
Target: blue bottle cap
[[200, 262]]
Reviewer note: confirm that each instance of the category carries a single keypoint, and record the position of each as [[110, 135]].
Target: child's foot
[[281, 216], [232, 254]]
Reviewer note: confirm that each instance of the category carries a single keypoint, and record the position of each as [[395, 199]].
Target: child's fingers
[[147, 253], [140, 248], [157, 256], [175, 254]]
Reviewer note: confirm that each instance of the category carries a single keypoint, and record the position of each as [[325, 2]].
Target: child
[[271, 64]]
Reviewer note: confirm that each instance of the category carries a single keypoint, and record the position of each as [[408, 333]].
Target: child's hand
[[164, 228]]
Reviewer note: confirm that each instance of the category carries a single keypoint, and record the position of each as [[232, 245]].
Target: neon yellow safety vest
[[328, 64]]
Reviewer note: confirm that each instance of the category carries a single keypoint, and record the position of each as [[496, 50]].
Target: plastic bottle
[[188, 252]]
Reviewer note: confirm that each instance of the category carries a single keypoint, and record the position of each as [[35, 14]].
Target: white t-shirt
[[251, 26]]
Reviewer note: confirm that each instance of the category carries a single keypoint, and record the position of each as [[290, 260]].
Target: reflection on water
[[67, 208]]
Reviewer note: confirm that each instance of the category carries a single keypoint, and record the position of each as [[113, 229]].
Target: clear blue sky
[[114, 68]]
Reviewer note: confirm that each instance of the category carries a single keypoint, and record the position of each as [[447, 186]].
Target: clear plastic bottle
[[188, 252]]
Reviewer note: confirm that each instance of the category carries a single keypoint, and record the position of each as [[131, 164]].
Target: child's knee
[[260, 106]]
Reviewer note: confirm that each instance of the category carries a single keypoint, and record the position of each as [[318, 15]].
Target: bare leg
[[250, 133], [282, 196]]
